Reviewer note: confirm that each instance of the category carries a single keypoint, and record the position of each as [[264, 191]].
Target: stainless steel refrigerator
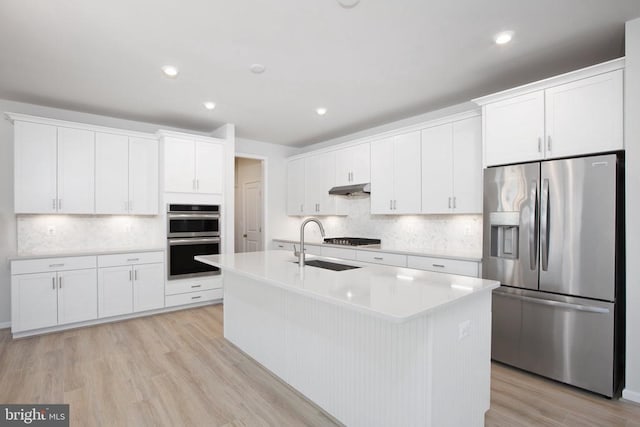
[[554, 238]]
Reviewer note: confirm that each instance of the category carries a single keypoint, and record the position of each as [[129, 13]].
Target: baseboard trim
[[631, 395], [5, 325]]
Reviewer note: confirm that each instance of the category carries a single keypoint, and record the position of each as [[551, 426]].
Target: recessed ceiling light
[[348, 4], [170, 71], [504, 37], [321, 111], [257, 68], [209, 105]]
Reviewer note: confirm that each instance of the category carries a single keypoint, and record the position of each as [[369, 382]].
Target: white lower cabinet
[[46, 293], [444, 265], [194, 297], [385, 258], [148, 287]]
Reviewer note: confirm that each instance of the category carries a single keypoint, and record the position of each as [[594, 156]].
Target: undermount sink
[[327, 265]]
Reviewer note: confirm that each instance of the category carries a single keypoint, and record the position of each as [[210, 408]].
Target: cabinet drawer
[[339, 253], [382, 258], [193, 297], [43, 265], [443, 265], [283, 246], [182, 286], [114, 260]]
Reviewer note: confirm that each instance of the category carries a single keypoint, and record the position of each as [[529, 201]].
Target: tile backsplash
[[43, 234], [454, 234]]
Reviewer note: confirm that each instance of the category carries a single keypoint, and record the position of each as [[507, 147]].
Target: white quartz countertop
[[397, 250], [394, 293], [83, 253]]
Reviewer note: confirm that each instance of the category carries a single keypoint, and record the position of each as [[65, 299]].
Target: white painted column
[[632, 148]]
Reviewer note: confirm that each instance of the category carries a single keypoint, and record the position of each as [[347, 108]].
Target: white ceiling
[[378, 62]]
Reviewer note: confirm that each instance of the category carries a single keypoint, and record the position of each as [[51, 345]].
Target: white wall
[[138, 227], [277, 223], [632, 148]]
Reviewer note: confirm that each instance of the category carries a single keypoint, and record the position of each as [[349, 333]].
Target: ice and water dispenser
[[505, 227]]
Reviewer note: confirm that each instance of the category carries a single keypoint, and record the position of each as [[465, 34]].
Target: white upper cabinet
[[319, 177], [395, 175], [35, 168], [143, 176], [467, 166], [585, 116], [573, 114], [76, 156], [193, 165], [514, 129], [353, 165], [295, 187], [112, 173], [437, 169]]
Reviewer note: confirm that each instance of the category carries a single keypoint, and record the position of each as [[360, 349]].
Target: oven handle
[[193, 216], [194, 240]]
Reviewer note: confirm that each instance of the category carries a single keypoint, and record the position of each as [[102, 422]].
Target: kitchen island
[[372, 346]]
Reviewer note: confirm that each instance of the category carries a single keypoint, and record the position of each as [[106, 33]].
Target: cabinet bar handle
[[196, 286], [135, 274], [59, 204], [133, 259], [395, 204], [438, 265], [539, 145], [390, 205], [379, 258], [56, 265], [197, 184], [549, 143], [454, 202], [60, 282], [53, 283], [449, 202], [198, 297], [53, 205], [130, 277]]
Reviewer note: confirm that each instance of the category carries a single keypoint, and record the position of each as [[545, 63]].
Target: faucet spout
[[304, 223]]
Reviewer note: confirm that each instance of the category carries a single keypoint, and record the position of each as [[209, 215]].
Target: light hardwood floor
[[177, 369]]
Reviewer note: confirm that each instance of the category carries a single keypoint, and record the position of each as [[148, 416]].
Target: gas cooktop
[[352, 241]]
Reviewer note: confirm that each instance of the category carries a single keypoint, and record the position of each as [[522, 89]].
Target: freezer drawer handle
[[559, 304]]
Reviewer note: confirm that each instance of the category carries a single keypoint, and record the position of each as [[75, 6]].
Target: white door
[[295, 187], [112, 174], [514, 129], [77, 296], [437, 176], [37, 301], [209, 167], [148, 287], [115, 291], [360, 164], [179, 165], [143, 176], [76, 171], [585, 116], [467, 166], [252, 207], [382, 176], [407, 181], [35, 168]]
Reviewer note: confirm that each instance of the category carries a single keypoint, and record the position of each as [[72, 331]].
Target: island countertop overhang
[[396, 294]]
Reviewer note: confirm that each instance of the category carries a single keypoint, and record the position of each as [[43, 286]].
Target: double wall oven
[[192, 230]]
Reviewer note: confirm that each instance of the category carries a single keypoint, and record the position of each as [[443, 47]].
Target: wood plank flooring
[[176, 369]]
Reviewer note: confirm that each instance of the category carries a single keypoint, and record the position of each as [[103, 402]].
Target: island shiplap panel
[[363, 370]]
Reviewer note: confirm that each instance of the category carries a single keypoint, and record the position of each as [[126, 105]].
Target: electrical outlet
[[51, 230], [464, 329]]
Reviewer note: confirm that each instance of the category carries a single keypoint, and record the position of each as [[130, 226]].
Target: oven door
[[192, 225], [180, 253]]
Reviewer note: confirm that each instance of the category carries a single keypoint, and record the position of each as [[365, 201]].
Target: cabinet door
[[585, 116], [209, 167], [319, 178], [406, 174], [143, 176], [77, 296], [344, 165], [35, 301], [514, 129], [361, 164], [437, 176], [35, 168], [467, 166], [179, 165], [382, 176], [148, 287], [295, 187], [112, 175], [115, 291], [76, 171]]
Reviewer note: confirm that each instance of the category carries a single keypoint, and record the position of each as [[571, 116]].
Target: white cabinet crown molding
[[593, 70], [395, 132], [183, 135], [13, 117]]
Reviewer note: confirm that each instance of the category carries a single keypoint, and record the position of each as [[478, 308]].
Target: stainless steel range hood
[[348, 190]]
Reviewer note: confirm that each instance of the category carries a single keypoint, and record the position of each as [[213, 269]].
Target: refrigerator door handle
[[559, 304], [544, 225], [533, 227]]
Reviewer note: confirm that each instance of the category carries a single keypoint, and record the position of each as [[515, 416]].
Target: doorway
[[249, 204]]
